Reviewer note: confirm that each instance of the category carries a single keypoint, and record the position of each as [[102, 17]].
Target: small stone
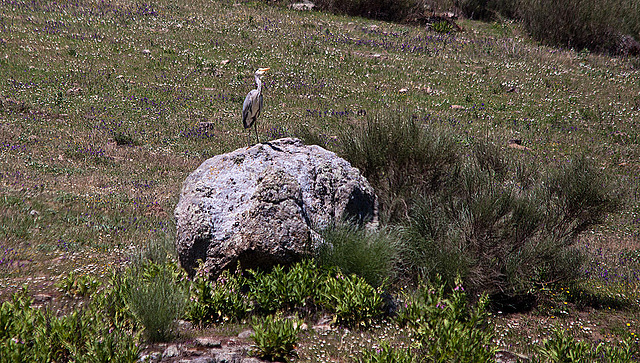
[[151, 357], [245, 334], [228, 357], [184, 324], [322, 328], [171, 351], [457, 107], [517, 144], [209, 342], [146, 51], [303, 6], [199, 360], [42, 297]]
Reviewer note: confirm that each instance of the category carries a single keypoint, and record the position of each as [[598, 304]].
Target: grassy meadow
[[107, 106]]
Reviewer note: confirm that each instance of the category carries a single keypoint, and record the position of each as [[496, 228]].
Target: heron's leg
[[255, 126]]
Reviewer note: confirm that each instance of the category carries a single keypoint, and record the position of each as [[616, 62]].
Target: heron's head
[[261, 71]]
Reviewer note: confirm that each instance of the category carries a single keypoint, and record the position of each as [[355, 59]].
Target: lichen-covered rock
[[264, 205]]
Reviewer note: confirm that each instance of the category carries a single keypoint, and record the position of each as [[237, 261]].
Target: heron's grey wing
[[246, 111], [251, 108], [259, 105]]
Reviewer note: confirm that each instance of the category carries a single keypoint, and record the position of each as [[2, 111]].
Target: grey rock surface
[[265, 205]]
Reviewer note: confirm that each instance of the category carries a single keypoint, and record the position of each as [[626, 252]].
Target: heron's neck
[[259, 83]]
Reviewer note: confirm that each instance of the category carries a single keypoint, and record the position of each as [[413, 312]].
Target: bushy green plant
[[270, 290], [446, 327], [113, 345], [275, 337], [442, 27], [217, 301], [156, 299], [353, 301], [113, 300], [369, 254], [31, 334], [580, 196], [77, 285], [563, 347], [617, 353], [387, 354], [401, 158], [282, 289], [502, 231]]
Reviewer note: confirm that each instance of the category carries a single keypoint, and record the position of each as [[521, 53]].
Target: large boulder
[[266, 204]]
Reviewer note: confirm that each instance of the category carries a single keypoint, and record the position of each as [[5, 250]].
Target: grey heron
[[253, 104]]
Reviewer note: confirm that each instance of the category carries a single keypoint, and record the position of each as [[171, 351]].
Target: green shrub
[[216, 301], [275, 337], [113, 300], [387, 354], [113, 345], [353, 301], [233, 296], [623, 352], [280, 289], [580, 196], [369, 254], [564, 348], [73, 285], [401, 158], [442, 27], [156, 299], [446, 328], [32, 334], [504, 234]]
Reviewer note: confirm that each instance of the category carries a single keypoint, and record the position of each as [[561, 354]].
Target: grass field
[[107, 106]]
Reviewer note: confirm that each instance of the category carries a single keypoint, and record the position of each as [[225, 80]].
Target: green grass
[[167, 79]]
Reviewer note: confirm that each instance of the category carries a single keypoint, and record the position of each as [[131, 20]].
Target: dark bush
[[580, 195], [390, 10], [597, 25], [401, 158], [504, 236]]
